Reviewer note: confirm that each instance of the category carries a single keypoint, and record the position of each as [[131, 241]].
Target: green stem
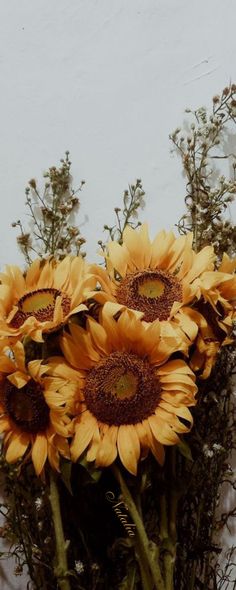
[[169, 562], [163, 518], [147, 554], [61, 556], [146, 578], [170, 555], [147, 583]]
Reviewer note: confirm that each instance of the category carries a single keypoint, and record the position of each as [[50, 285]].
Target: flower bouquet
[[116, 385]]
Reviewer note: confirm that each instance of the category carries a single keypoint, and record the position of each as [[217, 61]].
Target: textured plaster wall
[[108, 80]]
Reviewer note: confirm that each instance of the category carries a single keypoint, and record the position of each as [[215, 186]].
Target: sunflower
[[33, 413], [132, 399], [41, 300], [162, 278], [214, 313], [210, 338]]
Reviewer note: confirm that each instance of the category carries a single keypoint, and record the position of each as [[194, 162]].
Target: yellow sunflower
[[151, 276], [163, 278], [43, 298], [214, 313], [210, 337], [132, 399], [33, 407]]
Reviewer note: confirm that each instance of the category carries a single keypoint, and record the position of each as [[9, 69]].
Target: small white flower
[[217, 447], [79, 567], [38, 503], [207, 452]]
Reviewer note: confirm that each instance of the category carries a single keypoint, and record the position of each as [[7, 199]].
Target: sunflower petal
[[17, 446], [39, 452], [162, 431], [128, 447], [107, 449], [84, 432], [119, 257], [203, 261], [18, 379]]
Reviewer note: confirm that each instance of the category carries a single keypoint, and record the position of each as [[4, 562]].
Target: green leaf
[[93, 471], [185, 450], [66, 467], [129, 582]]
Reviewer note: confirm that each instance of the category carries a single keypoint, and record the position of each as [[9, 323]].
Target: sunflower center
[[38, 300], [27, 406], [41, 305], [151, 288], [125, 386], [151, 291], [122, 389]]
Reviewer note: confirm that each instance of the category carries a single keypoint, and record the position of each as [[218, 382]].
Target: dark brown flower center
[[122, 389], [41, 305], [27, 406], [151, 291]]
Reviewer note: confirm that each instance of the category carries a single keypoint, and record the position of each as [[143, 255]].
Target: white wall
[[108, 80]]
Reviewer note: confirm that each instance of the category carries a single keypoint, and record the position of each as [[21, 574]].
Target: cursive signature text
[[121, 512]]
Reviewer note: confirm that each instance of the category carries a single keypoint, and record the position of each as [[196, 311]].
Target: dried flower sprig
[[28, 528], [208, 198], [52, 216], [127, 214], [212, 439]]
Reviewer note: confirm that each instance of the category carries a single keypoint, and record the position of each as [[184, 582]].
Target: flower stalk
[[143, 540], [168, 504], [61, 567]]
